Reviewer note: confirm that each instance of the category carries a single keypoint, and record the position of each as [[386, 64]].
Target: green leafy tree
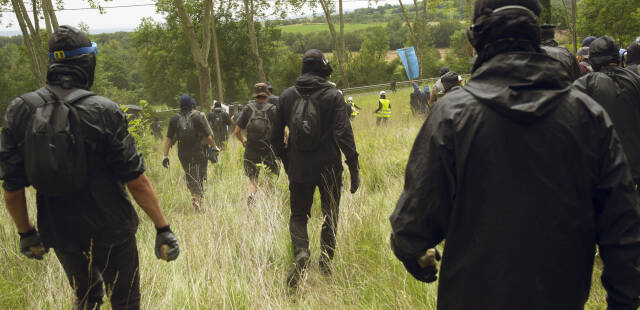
[[617, 18]]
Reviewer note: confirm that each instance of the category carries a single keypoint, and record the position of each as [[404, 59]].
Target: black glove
[[31, 245], [165, 162], [212, 155], [354, 170], [166, 244], [425, 274]]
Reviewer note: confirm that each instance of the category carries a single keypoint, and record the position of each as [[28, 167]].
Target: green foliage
[[440, 33], [617, 18], [16, 77], [138, 125], [369, 66], [459, 58]]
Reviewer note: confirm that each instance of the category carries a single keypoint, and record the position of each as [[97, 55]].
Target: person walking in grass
[[220, 123], [383, 113], [257, 118], [189, 128], [317, 117], [524, 176], [74, 148]]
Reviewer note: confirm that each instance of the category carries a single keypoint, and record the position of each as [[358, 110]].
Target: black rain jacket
[[618, 91], [563, 55], [101, 213], [523, 176], [307, 167]]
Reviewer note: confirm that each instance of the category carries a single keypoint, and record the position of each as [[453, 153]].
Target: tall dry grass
[[235, 257]]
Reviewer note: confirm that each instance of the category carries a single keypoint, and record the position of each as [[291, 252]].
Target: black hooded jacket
[[306, 167], [564, 56], [523, 176], [618, 91]]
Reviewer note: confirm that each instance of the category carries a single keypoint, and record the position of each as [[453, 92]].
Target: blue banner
[[410, 62]]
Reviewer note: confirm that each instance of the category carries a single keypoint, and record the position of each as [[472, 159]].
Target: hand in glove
[[31, 245], [166, 244], [354, 170], [212, 155], [165, 162], [425, 268]]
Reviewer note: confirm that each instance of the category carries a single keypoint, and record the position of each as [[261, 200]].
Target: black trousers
[[114, 268], [301, 195], [195, 169]]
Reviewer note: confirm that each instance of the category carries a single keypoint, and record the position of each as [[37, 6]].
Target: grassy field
[[233, 257], [308, 28]]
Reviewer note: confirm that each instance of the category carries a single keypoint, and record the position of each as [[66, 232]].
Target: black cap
[[450, 80], [603, 51], [483, 7], [313, 55], [633, 53], [444, 70], [67, 38], [588, 40], [547, 32]]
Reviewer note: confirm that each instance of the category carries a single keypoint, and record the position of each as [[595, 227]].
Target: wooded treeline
[[219, 49]]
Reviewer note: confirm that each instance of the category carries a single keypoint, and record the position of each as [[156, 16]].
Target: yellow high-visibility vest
[[385, 111], [354, 111]]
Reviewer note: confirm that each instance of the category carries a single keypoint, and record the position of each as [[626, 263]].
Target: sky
[[127, 19]]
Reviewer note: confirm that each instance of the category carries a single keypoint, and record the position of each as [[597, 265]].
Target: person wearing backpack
[[220, 122], [74, 148], [189, 128], [257, 119], [319, 128]]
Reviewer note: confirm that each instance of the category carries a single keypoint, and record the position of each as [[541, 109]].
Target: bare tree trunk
[[253, 38], [337, 39], [199, 52], [50, 14], [341, 49], [32, 39], [574, 15], [217, 56]]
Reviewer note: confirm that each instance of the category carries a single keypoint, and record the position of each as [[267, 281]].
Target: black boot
[[297, 271]]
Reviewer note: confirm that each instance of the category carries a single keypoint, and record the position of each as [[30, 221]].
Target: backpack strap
[[33, 99]]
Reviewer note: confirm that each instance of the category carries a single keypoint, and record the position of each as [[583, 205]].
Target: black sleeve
[[618, 225], [243, 118], [227, 119], [172, 129], [120, 152], [277, 135], [344, 133], [379, 106], [12, 170], [421, 217]]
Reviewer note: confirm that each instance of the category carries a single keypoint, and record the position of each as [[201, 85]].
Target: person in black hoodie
[[92, 228], [316, 115], [552, 48], [617, 90], [633, 57], [523, 176]]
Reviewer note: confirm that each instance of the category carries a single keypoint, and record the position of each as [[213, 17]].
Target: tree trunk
[[545, 17], [338, 39], [574, 14], [200, 53], [341, 49], [217, 56], [249, 11], [32, 40]]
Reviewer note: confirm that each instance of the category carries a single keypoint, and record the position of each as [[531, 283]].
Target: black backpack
[[187, 133], [218, 123], [55, 158], [306, 133], [259, 126]]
